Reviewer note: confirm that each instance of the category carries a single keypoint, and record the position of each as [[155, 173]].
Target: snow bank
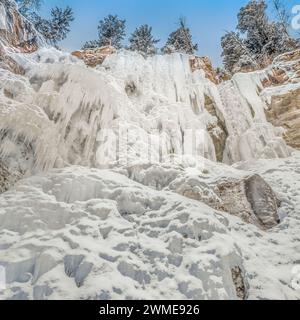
[[93, 234]]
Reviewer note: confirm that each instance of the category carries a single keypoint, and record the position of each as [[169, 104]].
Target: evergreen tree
[[91, 44], [262, 38], [253, 22], [180, 40], [60, 24], [143, 41], [111, 31], [28, 6], [233, 50], [54, 29]]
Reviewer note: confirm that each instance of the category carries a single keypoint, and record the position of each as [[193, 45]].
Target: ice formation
[[78, 115], [124, 193]]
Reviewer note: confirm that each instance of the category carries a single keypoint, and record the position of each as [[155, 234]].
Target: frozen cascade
[[77, 115], [250, 135]]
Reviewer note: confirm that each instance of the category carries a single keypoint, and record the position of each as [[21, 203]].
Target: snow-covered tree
[[57, 27], [60, 24], [233, 49], [54, 29], [261, 39], [111, 31], [180, 40], [26, 6], [91, 44], [282, 14], [284, 21], [143, 41]]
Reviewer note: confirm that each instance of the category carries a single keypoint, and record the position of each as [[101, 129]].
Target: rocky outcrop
[[7, 178], [16, 32], [204, 63], [238, 280], [217, 130], [16, 35], [251, 199], [94, 57], [284, 111], [282, 95]]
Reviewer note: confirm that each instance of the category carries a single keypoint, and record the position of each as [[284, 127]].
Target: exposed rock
[[288, 56], [16, 35], [218, 130], [8, 63], [263, 201], [251, 199], [276, 77], [238, 280], [7, 178], [204, 63], [16, 32], [284, 111], [94, 57]]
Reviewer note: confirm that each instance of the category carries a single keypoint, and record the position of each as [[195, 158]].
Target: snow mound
[[86, 233]]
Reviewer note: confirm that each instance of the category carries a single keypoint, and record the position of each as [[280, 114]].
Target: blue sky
[[208, 19]]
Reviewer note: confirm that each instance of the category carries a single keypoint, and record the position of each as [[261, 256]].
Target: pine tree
[[262, 39], [253, 22], [111, 31], [28, 6], [143, 41], [91, 44], [180, 40], [54, 29], [233, 49], [60, 24], [262, 36]]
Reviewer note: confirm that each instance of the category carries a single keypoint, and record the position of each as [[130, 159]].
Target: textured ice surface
[[74, 115], [89, 233]]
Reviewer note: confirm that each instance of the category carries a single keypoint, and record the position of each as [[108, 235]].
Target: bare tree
[[282, 14]]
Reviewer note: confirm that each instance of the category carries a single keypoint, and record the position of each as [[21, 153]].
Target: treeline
[[252, 45], [111, 31]]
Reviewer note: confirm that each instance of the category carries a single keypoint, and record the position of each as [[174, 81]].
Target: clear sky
[[208, 19]]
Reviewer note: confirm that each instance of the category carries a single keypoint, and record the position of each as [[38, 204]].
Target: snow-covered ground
[[81, 233], [122, 196]]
